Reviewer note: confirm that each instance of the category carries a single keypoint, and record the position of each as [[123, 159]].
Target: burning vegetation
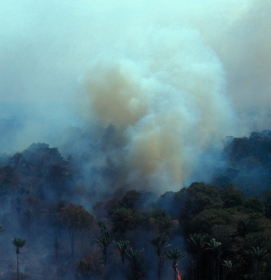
[[127, 105], [208, 230]]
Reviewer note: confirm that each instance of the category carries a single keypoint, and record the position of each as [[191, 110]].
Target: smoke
[[167, 100], [173, 78]]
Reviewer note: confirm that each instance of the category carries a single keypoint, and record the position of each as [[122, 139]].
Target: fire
[[179, 275]]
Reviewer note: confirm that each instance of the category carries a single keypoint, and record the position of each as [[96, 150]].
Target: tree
[[214, 245], [205, 220], [175, 255], [258, 255], [103, 228], [18, 243], [131, 199], [104, 241], [123, 220], [134, 256], [198, 241], [77, 218], [199, 197], [227, 268], [163, 221], [160, 243], [232, 197], [122, 246], [254, 204]]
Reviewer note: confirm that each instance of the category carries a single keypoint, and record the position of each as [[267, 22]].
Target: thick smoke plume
[[167, 100], [172, 78]]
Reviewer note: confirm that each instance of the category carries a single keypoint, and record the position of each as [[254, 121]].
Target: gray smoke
[[174, 78]]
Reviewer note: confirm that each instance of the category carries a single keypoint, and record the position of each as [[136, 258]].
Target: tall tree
[[77, 218], [104, 241], [122, 246], [258, 255], [134, 256], [175, 255], [18, 243], [198, 241], [159, 242], [214, 246], [227, 268]]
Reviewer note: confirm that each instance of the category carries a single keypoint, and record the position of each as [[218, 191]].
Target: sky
[[173, 77]]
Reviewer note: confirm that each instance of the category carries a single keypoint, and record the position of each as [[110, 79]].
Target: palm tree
[[134, 256], [104, 229], [258, 255], [214, 245], [18, 243], [227, 268], [175, 255], [198, 241], [122, 245], [159, 243], [104, 241]]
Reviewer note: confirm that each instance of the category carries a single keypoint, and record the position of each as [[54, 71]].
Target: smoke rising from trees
[[173, 79]]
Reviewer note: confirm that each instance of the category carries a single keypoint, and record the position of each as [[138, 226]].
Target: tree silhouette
[[77, 218], [258, 255], [122, 246], [159, 242], [103, 228], [104, 241], [175, 255], [214, 245], [18, 243], [198, 241], [227, 268], [134, 256]]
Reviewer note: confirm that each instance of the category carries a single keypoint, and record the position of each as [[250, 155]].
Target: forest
[[54, 227]]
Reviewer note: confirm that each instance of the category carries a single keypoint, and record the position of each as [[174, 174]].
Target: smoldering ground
[[172, 79]]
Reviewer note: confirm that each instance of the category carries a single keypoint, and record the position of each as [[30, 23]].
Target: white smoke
[[169, 75], [168, 100]]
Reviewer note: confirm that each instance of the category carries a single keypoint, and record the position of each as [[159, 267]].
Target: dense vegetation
[[210, 230]]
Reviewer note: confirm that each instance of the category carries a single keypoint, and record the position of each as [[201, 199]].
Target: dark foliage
[[224, 225]]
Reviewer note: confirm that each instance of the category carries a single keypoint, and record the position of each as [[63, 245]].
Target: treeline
[[215, 230], [248, 163]]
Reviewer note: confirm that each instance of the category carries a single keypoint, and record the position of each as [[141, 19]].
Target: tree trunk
[[17, 266], [174, 265], [158, 267]]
